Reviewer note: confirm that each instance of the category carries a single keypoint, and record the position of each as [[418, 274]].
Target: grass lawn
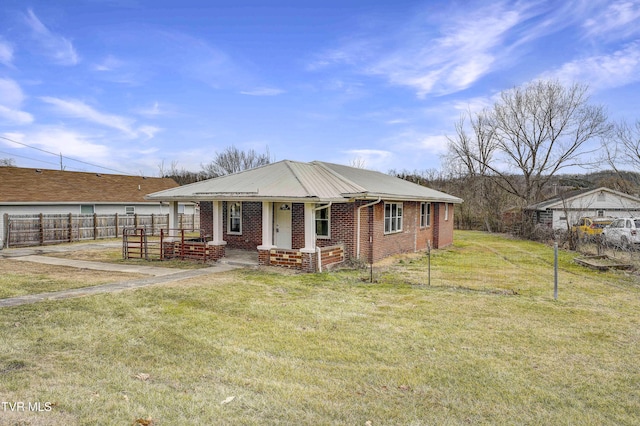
[[484, 344], [22, 278]]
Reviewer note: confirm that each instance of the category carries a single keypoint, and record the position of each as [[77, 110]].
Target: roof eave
[[399, 197]]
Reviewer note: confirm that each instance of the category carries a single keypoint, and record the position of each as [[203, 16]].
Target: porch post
[[267, 226], [264, 250], [216, 247], [173, 224], [218, 233], [309, 249]]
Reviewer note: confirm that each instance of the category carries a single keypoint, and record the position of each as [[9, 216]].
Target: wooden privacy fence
[[42, 229]]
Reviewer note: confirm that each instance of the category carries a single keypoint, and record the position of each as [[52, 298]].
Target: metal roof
[[294, 180]]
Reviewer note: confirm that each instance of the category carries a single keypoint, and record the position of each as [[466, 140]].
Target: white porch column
[[218, 226], [309, 228], [174, 222], [267, 226]]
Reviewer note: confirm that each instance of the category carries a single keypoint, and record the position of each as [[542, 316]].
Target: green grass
[[484, 344], [23, 278]]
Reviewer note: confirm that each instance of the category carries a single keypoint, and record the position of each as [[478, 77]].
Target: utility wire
[[62, 156], [28, 158]]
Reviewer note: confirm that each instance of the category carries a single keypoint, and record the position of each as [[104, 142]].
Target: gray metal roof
[[298, 181]]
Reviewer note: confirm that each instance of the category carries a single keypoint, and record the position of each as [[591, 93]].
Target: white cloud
[[79, 109], [603, 71], [110, 63], [55, 46], [436, 54], [6, 53], [372, 159], [11, 99], [152, 111], [60, 140], [618, 19], [10, 93], [263, 91], [14, 116]]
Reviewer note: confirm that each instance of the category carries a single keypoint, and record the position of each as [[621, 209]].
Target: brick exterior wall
[[297, 226], [342, 219], [251, 226], [332, 255], [206, 219], [287, 258], [445, 227], [343, 232]]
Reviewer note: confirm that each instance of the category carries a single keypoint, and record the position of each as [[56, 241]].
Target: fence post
[[6, 231], [95, 226], [153, 224], [117, 226], [135, 220], [71, 228], [41, 228]]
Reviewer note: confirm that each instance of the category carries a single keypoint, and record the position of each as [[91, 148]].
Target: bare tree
[[541, 129], [470, 156], [358, 162], [7, 162], [531, 134], [622, 148], [233, 160], [180, 175]]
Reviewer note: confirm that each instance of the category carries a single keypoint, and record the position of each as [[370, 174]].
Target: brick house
[[310, 215]]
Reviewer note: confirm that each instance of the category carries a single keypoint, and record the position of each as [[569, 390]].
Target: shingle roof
[[55, 186], [293, 180]]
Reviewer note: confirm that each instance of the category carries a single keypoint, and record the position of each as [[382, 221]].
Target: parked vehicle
[[623, 232], [587, 228]]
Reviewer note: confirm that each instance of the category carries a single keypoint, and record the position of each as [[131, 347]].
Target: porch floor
[[247, 258]]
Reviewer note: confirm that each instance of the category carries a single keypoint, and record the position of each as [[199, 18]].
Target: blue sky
[[132, 84]]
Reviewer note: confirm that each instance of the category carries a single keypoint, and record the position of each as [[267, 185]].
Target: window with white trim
[[425, 215], [87, 209], [323, 227], [130, 209], [234, 221], [392, 217]]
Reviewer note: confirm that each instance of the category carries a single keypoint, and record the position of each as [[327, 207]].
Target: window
[[130, 210], [86, 209], [235, 218], [446, 211], [322, 223], [392, 217], [425, 215], [600, 213]]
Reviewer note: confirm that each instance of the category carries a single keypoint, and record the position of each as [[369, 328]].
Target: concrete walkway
[[158, 275], [100, 266]]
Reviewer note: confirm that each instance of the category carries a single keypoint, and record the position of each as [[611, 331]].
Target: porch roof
[[298, 181]]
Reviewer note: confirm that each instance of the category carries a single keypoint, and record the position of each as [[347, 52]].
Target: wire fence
[[44, 229]]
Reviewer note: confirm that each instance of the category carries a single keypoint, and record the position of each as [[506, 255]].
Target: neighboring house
[[307, 215], [25, 191], [562, 211]]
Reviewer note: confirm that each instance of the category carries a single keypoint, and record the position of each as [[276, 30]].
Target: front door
[[283, 225]]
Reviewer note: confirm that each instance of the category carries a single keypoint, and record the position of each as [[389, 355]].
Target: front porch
[[278, 233]]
